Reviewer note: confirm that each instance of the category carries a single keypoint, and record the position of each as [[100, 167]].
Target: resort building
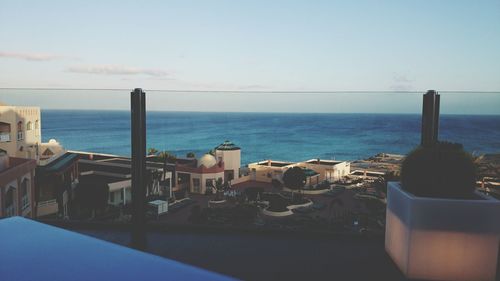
[[329, 170], [17, 188], [20, 131], [114, 174], [230, 154], [198, 175], [21, 136], [316, 170], [55, 185]]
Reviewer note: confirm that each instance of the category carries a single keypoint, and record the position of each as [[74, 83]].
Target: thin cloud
[[402, 79], [105, 69], [31, 56], [253, 87], [401, 82]]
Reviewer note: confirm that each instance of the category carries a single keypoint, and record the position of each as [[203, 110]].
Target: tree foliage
[[166, 156], [152, 151], [442, 170], [294, 178]]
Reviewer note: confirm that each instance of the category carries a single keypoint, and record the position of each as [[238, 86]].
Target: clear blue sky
[[251, 45]]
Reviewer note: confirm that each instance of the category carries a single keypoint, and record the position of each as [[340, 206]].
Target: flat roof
[[98, 178], [89, 165], [275, 163], [324, 162], [60, 163]]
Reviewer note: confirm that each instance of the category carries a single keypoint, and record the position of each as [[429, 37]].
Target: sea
[[278, 136]]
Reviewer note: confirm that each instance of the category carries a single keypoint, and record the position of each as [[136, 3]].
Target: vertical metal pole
[[430, 118], [138, 139]]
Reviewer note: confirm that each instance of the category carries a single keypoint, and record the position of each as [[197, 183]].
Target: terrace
[[323, 241]]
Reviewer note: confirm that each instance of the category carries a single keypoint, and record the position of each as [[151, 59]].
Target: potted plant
[[438, 227]]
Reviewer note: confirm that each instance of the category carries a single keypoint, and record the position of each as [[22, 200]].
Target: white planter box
[[442, 239]]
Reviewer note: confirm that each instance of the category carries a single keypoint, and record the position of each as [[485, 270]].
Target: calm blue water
[[279, 136]]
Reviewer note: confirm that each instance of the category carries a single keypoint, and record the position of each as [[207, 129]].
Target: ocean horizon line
[[265, 112]]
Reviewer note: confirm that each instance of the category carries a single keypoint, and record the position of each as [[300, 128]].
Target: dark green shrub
[[443, 170], [294, 178]]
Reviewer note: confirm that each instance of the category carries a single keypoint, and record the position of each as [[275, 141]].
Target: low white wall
[[285, 213], [309, 192]]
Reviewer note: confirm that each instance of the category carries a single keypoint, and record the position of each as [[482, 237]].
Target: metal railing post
[[138, 141], [430, 118]]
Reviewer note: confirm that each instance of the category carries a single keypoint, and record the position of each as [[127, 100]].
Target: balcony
[[4, 137], [48, 207], [25, 202]]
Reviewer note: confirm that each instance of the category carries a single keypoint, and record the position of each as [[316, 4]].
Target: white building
[[330, 170], [21, 136], [20, 131], [230, 154], [197, 176]]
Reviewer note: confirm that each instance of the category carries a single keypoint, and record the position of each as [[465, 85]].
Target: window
[[112, 197], [10, 202], [37, 128], [196, 185], [20, 135], [4, 132], [29, 126]]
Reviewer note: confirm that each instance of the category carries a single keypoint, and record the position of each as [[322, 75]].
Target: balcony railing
[[25, 202], [4, 137], [47, 207]]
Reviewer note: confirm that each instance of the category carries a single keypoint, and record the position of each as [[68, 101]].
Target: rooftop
[[60, 164], [274, 163], [324, 162], [227, 145]]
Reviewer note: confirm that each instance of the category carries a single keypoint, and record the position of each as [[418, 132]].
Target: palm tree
[[152, 151], [166, 156]]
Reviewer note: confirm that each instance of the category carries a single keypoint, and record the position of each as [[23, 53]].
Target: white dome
[[207, 160]]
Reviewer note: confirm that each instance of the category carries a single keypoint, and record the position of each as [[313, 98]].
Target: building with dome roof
[[200, 175]]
